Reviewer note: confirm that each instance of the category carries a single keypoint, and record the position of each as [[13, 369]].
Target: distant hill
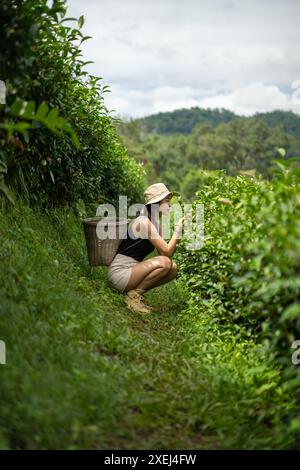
[[289, 121], [182, 121]]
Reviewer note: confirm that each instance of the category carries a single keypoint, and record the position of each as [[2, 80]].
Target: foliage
[[183, 121], [246, 275], [239, 145], [40, 63], [288, 121], [49, 118], [84, 372], [194, 180], [243, 144], [211, 367]]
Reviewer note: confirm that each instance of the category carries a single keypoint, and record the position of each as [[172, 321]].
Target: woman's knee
[[174, 267], [165, 263]]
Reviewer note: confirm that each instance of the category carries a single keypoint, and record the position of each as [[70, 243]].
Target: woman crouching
[[128, 272]]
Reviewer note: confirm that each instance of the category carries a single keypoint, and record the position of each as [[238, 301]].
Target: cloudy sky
[[161, 55]]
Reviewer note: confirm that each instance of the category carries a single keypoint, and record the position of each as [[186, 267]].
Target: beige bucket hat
[[156, 192]]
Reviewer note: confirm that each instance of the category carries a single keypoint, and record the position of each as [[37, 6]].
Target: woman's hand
[[178, 227]]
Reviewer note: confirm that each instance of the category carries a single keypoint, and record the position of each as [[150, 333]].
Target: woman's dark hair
[[151, 209], [148, 206]]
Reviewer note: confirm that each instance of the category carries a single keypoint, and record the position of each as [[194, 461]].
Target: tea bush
[[40, 62], [83, 372], [247, 274]]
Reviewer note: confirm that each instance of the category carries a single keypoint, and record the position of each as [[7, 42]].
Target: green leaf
[[81, 21], [3, 167], [292, 312], [266, 387], [29, 110], [16, 107], [87, 62], [52, 176], [6, 191], [85, 38], [281, 151], [42, 111], [52, 115], [67, 19]]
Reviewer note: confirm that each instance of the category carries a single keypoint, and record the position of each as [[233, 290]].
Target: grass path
[[84, 372]]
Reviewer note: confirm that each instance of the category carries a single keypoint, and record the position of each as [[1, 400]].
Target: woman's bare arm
[[147, 230]]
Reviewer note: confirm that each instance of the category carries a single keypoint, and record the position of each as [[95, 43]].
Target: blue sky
[[161, 55]]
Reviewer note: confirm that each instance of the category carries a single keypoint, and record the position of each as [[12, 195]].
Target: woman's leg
[[146, 273], [169, 277]]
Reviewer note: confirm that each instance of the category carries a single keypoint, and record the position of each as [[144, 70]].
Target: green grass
[[84, 372]]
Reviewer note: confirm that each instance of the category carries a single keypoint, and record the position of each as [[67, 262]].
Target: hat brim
[[162, 196]]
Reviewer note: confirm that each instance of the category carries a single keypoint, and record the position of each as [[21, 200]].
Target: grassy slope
[[84, 372]]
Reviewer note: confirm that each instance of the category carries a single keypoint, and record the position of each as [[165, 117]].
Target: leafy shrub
[[247, 274], [193, 180], [249, 256], [82, 373], [40, 62]]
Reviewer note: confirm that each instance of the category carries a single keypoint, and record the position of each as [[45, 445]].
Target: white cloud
[[165, 54], [246, 100], [255, 97]]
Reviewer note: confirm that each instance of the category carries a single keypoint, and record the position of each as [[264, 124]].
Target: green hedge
[[247, 274], [41, 62]]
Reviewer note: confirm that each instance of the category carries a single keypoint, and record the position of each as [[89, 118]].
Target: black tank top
[[137, 248]]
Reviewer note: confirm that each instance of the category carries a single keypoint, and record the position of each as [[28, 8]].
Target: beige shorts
[[119, 271]]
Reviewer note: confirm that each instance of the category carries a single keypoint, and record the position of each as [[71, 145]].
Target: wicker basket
[[102, 252]]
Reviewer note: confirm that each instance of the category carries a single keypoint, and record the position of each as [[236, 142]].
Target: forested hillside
[[183, 121], [240, 145]]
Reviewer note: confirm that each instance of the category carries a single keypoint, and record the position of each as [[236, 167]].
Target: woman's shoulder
[[141, 226], [138, 225], [142, 219]]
